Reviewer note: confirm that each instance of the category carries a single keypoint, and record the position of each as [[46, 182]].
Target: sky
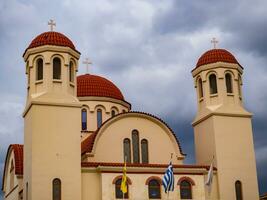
[[148, 49]]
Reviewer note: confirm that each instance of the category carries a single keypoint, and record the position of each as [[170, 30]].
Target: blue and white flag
[[168, 179]]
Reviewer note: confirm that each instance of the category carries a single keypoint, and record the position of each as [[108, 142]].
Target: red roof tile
[[51, 38], [108, 164], [216, 55], [88, 143], [18, 151], [92, 85]]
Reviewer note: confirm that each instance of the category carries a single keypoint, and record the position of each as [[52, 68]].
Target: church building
[[79, 130]]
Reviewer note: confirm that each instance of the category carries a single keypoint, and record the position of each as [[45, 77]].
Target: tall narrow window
[[56, 189], [228, 82], [127, 150], [56, 68], [144, 150], [27, 190], [118, 192], [200, 88], [154, 189], [71, 72], [84, 119], [238, 190], [185, 190], [135, 139], [239, 86], [99, 117], [39, 69], [213, 84], [12, 174], [113, 113]]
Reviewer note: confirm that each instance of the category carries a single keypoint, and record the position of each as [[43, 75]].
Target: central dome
[[92, 85]]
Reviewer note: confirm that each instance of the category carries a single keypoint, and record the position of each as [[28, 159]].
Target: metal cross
[[87, 62], [51, 23], [214, 41]]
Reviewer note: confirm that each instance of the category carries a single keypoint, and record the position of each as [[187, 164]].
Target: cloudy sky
[[148, 48]]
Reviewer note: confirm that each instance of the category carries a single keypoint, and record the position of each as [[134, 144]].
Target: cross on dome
[[214, 42], [87, 62], [51, 23]]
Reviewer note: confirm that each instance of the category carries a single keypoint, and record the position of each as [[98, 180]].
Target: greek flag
[[168, 179]]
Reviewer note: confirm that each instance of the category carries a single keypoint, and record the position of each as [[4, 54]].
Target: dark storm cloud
[[147, 48]]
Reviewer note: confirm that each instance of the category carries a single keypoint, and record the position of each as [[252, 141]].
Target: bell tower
[[52, 149], [222, 126]]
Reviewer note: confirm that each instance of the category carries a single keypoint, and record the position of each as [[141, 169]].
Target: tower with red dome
[[222, 126], [51, 144]]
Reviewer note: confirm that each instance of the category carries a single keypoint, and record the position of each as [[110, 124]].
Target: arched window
[[39, 69], [84, 119], [56, 189], [154, 189], [228, 82], [99, 117], [135, 140], [239, 85], [118, 192], [238, 190], [213, 84], [200, 88], [127, 150], [113, 113], [71, 72], [144, 150], [185, 190], [12, 174], [56, 68]]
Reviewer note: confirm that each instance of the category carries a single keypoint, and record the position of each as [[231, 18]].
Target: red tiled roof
[[88, 143], [51, 38], [18, 151], [92, 85], [108, 164], [216, 55]]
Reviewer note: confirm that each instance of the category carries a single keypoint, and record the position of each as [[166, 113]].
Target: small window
[[144, 150], [56, 68], [84, 119], [238, 190], [228, 82], [27, 191], [239, 86], [56, 189], [113, 113], [135, 140], [12, 176], [154, 189], [39, 69], [119, 194], [99, 118], [200, 88], [127, 150], [71, 72], [213, 84], [185, 190]]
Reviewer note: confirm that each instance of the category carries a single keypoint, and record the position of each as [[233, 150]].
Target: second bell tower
[[222, 126]]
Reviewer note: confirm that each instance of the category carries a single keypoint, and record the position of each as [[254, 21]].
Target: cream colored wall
[[235, 156], [106, 105], [138, 190], [52, 150], [161, 142]]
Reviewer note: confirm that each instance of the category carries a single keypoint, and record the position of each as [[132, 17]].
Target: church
[[79, 131]]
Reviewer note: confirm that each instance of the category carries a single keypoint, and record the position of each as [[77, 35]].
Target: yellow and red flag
[[124, 180]]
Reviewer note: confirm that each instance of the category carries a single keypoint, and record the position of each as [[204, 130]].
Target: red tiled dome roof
[[216, 55], [51, 38], [92, 85]]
